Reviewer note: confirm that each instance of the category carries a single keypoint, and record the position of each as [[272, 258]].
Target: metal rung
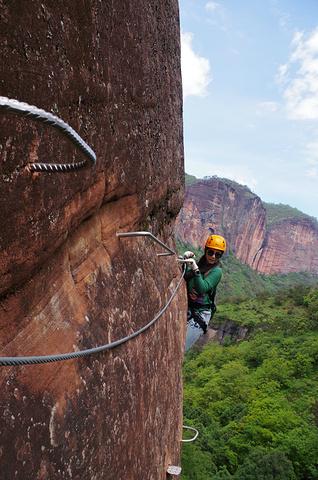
[[193, 430], [174, 470], [148, 234]]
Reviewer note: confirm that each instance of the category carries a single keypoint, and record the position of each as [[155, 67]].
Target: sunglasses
[[214, 253]]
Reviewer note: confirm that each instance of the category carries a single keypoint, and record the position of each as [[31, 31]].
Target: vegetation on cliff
[[244, 190], [255, 402], [241, 282], [190, 179], [277, 212]]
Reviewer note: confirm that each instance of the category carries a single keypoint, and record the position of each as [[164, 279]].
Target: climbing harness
[[30, 111], [197, 318], [30, 360]]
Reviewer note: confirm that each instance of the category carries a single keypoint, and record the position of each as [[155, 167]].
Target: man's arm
[[203, 285]]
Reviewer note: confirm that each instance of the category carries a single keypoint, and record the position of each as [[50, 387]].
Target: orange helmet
[[217, 242]]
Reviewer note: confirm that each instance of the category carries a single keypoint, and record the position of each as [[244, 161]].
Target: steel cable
[[31, 360], [30, 111]]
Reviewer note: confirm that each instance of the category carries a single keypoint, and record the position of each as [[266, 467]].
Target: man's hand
[[188, 254], [192, 264]]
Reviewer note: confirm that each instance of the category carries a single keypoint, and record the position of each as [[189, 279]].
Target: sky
[[250, 92]]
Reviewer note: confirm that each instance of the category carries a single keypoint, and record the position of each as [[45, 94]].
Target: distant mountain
[[269, 238]]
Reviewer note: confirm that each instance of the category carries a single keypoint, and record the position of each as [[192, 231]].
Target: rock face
[[112, 71], [227, 331], [290, 245]]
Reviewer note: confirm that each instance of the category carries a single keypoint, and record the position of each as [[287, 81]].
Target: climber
[[202, 280]]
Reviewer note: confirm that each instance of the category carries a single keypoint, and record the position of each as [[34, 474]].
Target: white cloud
[[264, 108], [312, 172], [300, 77], [212, 6], [282, 74], [284, 18], [284, 21], [196, 71]]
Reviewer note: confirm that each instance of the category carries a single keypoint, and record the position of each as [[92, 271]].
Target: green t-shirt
[[201, 287]]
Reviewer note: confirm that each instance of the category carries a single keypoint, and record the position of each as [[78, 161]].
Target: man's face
[[212, 256]]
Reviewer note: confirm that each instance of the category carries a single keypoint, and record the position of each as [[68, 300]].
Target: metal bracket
[[148, 234]]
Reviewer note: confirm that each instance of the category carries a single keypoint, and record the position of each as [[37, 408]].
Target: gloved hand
[[192, 264], [188, 254]]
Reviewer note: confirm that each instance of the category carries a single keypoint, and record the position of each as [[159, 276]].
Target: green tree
[[311, 301], [255, 402], [272, 466], [196, 464]]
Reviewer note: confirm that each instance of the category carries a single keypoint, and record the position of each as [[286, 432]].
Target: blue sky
[[250, 85]]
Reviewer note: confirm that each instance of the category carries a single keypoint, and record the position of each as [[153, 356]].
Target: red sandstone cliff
[[290, 245], [112, 71]]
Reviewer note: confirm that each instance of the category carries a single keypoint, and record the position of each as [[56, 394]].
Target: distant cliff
[[67, 283], [267, 242]]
